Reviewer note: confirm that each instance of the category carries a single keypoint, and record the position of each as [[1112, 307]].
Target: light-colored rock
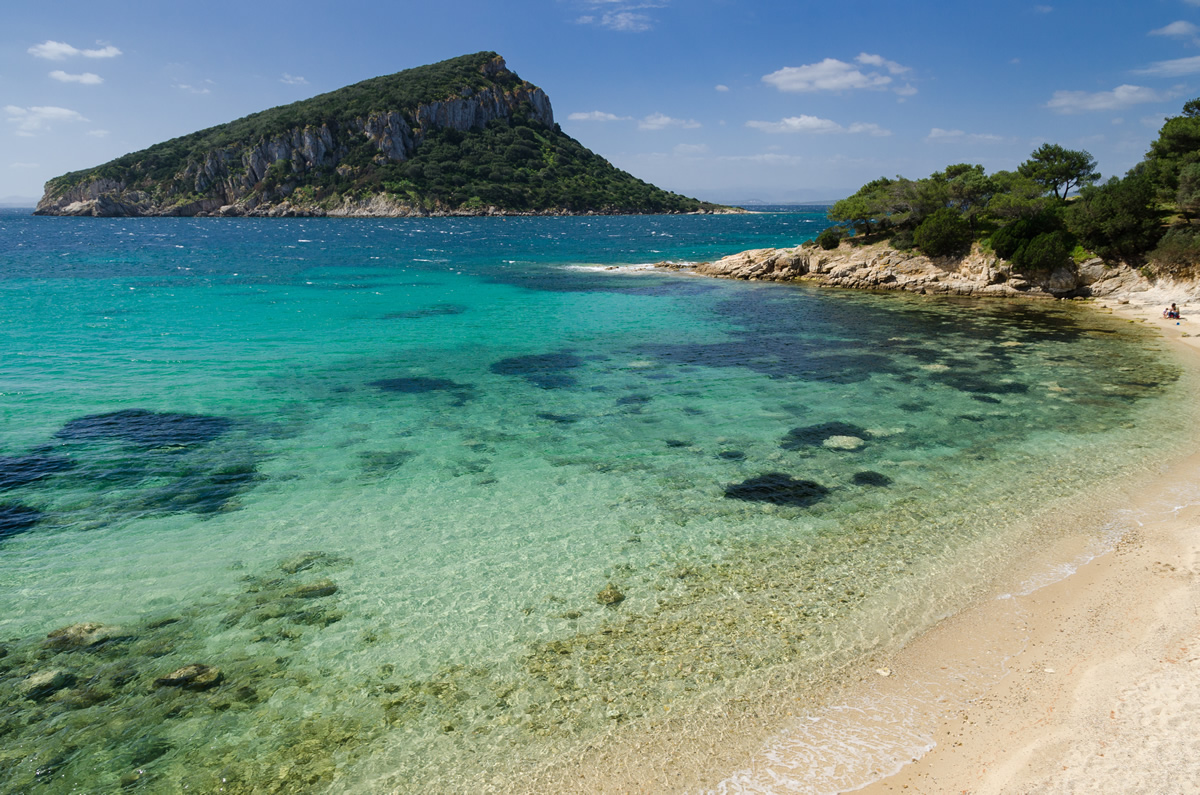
[[877, 266], [44, 684]]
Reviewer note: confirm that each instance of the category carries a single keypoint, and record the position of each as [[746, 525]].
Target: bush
[[830, 237], [1117, 220], [943, 233], [1045, 252], [1178, 253], [903, 240]]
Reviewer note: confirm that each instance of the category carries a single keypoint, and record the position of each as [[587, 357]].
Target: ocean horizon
[[421, 504]]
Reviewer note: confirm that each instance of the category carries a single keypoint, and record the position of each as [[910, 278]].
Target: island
[[465, 136]]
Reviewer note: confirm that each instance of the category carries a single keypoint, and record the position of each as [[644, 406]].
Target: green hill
[[463, 136]]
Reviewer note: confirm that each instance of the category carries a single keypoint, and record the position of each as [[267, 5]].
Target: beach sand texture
[[1104, 694]]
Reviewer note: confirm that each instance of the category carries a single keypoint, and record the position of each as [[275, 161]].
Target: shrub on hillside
[[1045, 252], [1178, 253], [903, 240], [830, 237], [943, 233]]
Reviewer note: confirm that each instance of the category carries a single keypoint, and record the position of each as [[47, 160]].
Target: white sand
[[1105, 695]]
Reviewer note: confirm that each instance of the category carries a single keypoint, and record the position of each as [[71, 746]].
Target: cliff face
[[258, 177], [880, 267]]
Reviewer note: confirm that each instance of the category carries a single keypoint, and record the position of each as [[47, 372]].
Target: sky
[[754, 100]]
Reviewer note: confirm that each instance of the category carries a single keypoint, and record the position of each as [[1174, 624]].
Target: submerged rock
[[545, 370], [778, 488], [43, 684], [147, 428], [610, 596], [84, 636], [196, 676], [314, 590], [23, 470], [818, 435], [16, 518], [871, 479]]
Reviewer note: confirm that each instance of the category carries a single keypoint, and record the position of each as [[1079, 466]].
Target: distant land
[[460, 137], [18, 201]]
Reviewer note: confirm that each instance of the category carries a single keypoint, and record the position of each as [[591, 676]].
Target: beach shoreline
[[1103, 690]]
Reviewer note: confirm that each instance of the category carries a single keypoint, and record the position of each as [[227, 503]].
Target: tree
[[1016, 196], [870, 205], [1187, 197], [942, 233], [1118, 219], [968, 189], [1058, 170]]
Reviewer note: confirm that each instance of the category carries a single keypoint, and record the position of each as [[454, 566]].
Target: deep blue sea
[[441, 504]]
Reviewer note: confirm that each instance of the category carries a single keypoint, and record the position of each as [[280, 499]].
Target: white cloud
[[814, 124], [98, 133], [625, 16], [691, 150], [1176, 68], [39, 118], [1117, 99], [721, 88], [293, 80], [1181, 29], [834, 75], [23, 165], [879, 61], [859, 128], [194, 89], [59, 50], [1043, 9], [596, 115], [660, 121], [87, 78], [958, 136]]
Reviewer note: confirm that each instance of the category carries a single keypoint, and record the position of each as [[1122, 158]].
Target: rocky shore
[[878, 266]]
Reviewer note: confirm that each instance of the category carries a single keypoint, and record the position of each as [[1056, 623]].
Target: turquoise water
[[447, 500]]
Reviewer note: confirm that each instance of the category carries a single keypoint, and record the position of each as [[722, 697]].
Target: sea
[[460, 504]]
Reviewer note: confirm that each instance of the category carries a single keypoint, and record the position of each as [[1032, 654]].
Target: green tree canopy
[[1058, 170], [1117, 220]]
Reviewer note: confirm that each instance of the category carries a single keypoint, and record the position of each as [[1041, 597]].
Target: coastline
[[1078, 667], [1103, 693]]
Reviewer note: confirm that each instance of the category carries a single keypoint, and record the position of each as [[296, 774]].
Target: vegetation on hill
[[519, 162], [1149, 217]]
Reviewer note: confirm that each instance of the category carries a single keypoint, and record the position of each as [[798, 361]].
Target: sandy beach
[[1100, 690]]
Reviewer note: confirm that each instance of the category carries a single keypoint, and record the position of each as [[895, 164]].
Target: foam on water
[[459, 511]]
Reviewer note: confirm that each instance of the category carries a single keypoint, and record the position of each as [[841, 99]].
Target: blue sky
[[772, 100]]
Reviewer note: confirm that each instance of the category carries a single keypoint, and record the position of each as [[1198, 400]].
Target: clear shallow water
[[385, 474]]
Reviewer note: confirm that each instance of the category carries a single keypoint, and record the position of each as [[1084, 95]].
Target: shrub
[[830, 237], [1045, 252], [1117, 220], [943, 233], [1178, 253], [903, 240]]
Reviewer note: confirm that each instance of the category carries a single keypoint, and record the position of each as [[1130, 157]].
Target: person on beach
[[1171, 312]]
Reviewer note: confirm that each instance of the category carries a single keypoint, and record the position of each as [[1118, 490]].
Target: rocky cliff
[[343, 153], [879, 267]]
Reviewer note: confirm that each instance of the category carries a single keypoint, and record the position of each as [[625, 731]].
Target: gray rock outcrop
[[879, 267]]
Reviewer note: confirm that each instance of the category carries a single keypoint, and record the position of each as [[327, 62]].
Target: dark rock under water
[[23, 470], [778, 488], [16, 518], [145, 428], [545, 370], [815, 435]]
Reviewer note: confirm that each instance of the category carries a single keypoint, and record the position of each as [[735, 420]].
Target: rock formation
[[878, 266]]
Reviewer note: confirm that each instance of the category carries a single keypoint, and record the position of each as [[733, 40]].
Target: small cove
[[470, 443]]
